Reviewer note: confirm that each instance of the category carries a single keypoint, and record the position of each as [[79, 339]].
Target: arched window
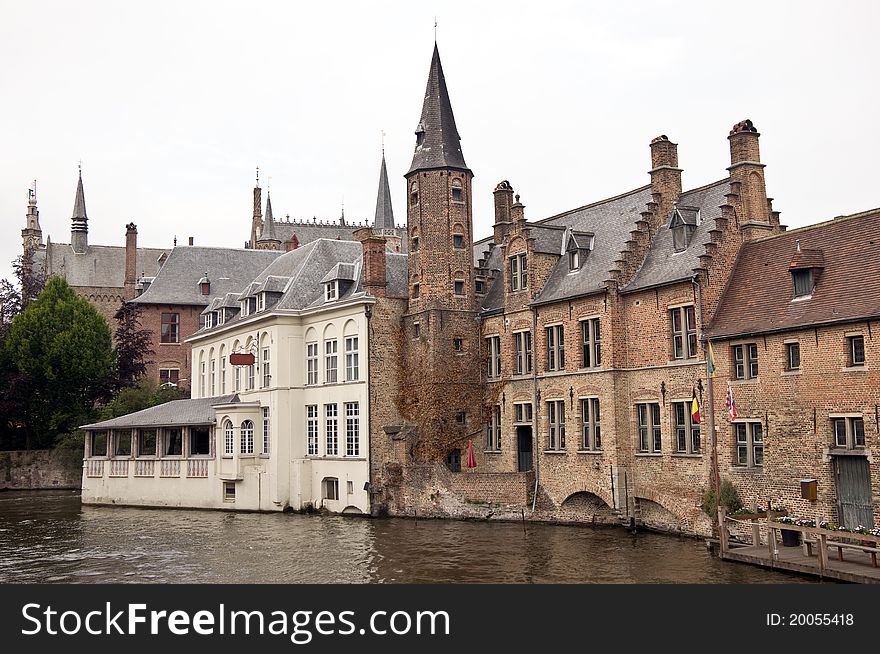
[[212, 374], [414, 194], [228, 438], [247, 437], [457, 194], [201, 374], [222, 370]]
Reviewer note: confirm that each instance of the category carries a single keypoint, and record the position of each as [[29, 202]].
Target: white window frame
[[591, 424], [352, 429], [687, 433], [747, 448], [650, 428], [555, 347], [247, 437], [312, 430], [493, 430], [351, 358], [331, 361], [267, 432], [591, 343], [312, 368], [522, 346], [747, 361], [228, 438], [331, 429], [493, 363], [556, 425], [684, 338]]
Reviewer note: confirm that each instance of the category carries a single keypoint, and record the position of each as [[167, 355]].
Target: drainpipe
[[710, 388], [368, 313], [535, 397]]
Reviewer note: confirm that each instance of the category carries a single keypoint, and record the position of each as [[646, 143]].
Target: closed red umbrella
[[471, 457]]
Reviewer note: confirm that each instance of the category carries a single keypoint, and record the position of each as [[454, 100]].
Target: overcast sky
[[172, 105]]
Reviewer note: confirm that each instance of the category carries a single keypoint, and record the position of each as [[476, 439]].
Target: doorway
[[524, 448], [852, 479]]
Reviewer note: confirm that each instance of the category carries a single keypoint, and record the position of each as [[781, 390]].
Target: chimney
[[517, 211], [503, 202], [374, 271], [747, 172], [205, 285], [291, 244], [665, 176], [131, 239], [192, 240]]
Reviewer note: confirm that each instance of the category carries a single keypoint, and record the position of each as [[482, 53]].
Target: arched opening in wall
[[352, 510], [584, 506], [657, 516]]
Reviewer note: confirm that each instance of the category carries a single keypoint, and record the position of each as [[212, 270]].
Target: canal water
[[49, 537]]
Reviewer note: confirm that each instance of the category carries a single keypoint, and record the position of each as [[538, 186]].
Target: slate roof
[[759, 295], [307, 232], [99, 265], [79, 218], [171, 414], [440, 145], [396, 275], [663, 265], [268, 233], [228, 270], [611, 221]]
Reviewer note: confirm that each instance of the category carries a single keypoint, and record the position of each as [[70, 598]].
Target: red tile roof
[[760, 297]]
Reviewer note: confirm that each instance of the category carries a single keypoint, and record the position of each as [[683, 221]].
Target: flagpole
[[710, 374]]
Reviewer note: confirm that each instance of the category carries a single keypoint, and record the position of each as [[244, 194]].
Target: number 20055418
[[810, 620]]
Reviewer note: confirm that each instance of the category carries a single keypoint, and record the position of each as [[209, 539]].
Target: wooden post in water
[[722, 531], [756, 533]]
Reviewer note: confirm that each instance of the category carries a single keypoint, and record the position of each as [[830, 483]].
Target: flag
[[695, 409], [471, 457], [710, 362], [730, 403]]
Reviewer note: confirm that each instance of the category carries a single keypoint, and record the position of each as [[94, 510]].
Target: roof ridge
[[595, 204], [825, 223], [719, 182]]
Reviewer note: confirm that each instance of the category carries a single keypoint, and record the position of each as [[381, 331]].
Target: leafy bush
[[730, 499]]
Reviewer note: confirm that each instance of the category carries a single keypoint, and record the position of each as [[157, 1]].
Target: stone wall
[[40, 469]]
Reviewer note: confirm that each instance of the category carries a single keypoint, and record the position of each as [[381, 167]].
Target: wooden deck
[[855, 569]]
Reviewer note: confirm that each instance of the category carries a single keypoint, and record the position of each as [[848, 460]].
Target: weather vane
[[383, 142], [435, 29]]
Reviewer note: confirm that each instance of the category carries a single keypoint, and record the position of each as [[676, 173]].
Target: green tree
[[61, 348]]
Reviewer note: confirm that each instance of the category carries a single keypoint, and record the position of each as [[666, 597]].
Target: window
[[556, 422], [522, 345], [574, 260], [456, 191], [849, 432], [98, 446], [650, 437], [122, 443], [745, 361], [330, 361], [261, 301], [459, 287], [330, 291], [170, 328], [352, 429], [146, 442], [173, 441], [461, 418], [202, 379], [207, 321], [228, 491], [523, 412], [749, 444], [237, 378], [417, 330], [349, 486], [199, 441], [213, 377], [416, 292], [803, 282], [591, 434], [223, 375], [266, 431], [267, 376], [493, 364], [312, 429], [792, 356], [228, 438], [591, 337], [855, 346], [311, 363], [351, 358], [169, 376], [331, 416], [480, 287], [684, 332], [251, 372], [458, 344], [458, 241], [687, 433], [493, 430], [414, 194], [330, 488], [415, 244], [518, 272], [247, 437], [555, 348]]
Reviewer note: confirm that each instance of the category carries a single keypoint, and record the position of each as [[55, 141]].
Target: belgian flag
[[695, 408]]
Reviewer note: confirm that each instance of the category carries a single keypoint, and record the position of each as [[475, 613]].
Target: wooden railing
[[94, 467], [169, 468], [119, 467], [825, 538], [144, 468]]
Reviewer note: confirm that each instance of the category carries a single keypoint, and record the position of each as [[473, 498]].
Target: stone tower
[[79, 222], [383, 225], [267, 239], [32, 234], [442, 338], [257, 219]]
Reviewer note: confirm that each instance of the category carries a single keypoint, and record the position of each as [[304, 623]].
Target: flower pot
[[790, 538]]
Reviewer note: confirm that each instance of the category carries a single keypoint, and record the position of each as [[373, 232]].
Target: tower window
[[459, 287], [457, 191], [458, 241], [414, 194], [415, 244], [416, 292]]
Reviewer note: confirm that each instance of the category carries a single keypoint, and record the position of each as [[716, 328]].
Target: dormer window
[[803, 282], [578, 247], [209, 320], [683, 224], [331, 290], [248, 306], [261, 301], [574, 260]]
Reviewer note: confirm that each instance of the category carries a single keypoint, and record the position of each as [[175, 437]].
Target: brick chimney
[[517, 212], [665, 176], [747, 180], [291, 244], [503, 203], [131, 239], [374, 271]]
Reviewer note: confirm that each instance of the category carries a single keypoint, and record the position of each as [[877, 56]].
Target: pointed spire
[[269, 224], [79, 222], [384, 211], [437, 140]]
